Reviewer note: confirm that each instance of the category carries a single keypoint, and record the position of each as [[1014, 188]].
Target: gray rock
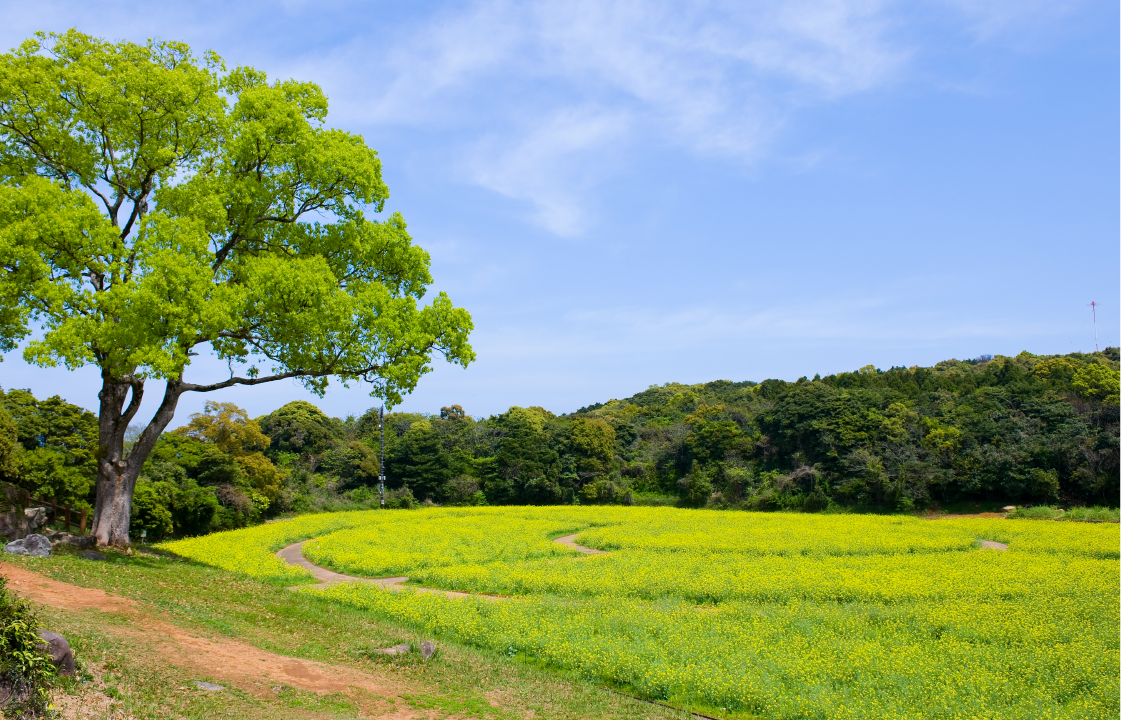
[[208, 686], [85, 542], [16, 523], [427, 649], [33, 545], [36, 517], [12, 691], [59, 650], [92, 555], [395, 650]]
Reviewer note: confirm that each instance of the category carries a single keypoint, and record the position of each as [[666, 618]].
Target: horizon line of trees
[[1026, 429]]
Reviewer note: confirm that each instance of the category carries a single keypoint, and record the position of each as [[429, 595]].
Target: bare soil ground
[[236, 663]]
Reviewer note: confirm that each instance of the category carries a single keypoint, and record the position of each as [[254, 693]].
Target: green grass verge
[[123, 676]]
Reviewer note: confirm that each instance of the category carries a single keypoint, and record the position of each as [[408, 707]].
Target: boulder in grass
[[33, 545], [56, 646], [401, 649], [93, 555], [210, 687], [427, 649], [85, 542], [12, 691]]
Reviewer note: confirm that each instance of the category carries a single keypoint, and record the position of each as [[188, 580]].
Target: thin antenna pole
[[381, 460], [1095, 320]]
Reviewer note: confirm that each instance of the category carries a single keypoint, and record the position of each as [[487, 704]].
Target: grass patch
[[1075, 514]]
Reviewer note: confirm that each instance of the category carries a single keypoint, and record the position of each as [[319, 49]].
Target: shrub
[[26, 672], [462, 490], [696, 487], [401, 498], [150, 514]]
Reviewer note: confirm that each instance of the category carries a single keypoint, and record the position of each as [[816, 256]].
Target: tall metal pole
[[381, 460], [1095, 320]]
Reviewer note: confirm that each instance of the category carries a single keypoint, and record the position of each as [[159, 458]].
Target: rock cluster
[[82, 542], [16, 523]]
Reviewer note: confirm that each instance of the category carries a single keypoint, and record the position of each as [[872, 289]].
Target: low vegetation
[[745, 614], [26, 673]]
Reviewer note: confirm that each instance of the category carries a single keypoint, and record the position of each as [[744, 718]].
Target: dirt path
[[570, 540], [294, 555], [235, 663]]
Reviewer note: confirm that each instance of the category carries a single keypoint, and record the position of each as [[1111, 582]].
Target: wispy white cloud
[[549, 164], [538, 100], [1018, 20], [547, 94]]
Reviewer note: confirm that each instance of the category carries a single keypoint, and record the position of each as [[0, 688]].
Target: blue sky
[[632, 193]]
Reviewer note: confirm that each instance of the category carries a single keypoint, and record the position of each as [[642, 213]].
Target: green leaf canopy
[[152, 202]]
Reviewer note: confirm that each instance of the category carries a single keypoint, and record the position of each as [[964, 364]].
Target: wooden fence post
[[82, 527]]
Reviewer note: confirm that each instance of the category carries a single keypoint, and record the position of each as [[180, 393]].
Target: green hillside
[[1025, 430]]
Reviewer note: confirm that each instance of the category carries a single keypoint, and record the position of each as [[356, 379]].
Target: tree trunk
[[116, 473]]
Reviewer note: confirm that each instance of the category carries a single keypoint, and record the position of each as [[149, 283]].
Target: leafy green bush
[[402, 498], [26, 672], [149, 514]]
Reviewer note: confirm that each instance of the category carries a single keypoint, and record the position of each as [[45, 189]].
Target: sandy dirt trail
[[294, 555], [236, 663]]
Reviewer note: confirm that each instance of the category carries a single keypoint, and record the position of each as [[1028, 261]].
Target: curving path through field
[[571, 541], [294, 555]]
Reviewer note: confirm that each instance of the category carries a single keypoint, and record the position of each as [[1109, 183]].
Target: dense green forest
[[1025, 429]]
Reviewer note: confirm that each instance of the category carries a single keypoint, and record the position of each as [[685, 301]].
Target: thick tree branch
[[144, 444], [137, 386], [190, 387]]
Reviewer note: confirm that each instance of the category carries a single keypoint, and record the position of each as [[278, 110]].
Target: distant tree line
[[1024, 429]]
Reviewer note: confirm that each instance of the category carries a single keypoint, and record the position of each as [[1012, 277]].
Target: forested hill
[[1025, 429], [1022, 429]]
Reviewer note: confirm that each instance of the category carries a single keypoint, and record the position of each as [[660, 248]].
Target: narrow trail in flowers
[[294, 555], [570, 541]]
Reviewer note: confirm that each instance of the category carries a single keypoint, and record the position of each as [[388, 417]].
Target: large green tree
[[153, 203]]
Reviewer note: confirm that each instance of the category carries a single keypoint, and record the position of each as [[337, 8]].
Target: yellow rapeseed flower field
[[767, 615]]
